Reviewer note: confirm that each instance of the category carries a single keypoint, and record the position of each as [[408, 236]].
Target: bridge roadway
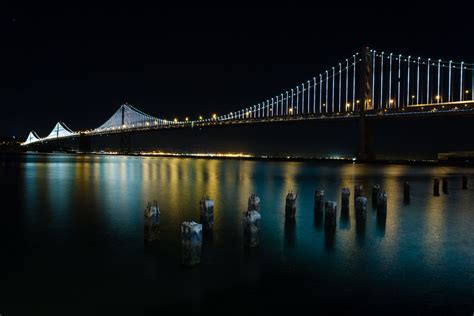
[[415, 111]]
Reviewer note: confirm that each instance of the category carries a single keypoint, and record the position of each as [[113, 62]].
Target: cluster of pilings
[[192, 232], [327, 210], [444, 185]]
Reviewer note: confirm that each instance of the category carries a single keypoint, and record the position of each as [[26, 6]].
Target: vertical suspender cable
[[449, 80], [381, 82], [428, 83], [461, 83], [390, 81], [340, 75]]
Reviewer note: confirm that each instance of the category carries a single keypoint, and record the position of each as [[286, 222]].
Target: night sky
[[78, 64]]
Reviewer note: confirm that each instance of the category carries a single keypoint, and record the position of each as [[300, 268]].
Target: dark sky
[[78, 64]]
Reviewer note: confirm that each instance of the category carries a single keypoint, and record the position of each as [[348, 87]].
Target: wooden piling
[[361, 208], [357, 191], [445, 185], [318, 201], [406, 192], [254, 203], [251, 226], [345, 195], [151, 221], [206, 207], [436, 187], [290, 205], [375, 194], [191, 243], [330, 214], [382, 202], [464, 182]]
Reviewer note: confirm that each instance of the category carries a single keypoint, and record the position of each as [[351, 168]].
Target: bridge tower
[[365, 152], [125, 137]]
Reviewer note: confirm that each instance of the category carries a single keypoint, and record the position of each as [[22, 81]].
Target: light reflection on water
[[427, 243]]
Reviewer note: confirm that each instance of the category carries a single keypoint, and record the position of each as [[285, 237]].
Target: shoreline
[[420, 162]]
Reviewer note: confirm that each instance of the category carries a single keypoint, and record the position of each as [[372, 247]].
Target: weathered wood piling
[[406, 192], [251, 226], [436, 187], [345, 195], [330, 215], [375, 194], [206, 207], [361, 208], [254, 203], [464, 182], [191, 243], [445, 185], [290, 205], [151, 221], [318, 201], [382, 202], [357, 191]]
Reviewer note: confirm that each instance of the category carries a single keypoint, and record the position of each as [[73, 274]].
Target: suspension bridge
[[370, 84]]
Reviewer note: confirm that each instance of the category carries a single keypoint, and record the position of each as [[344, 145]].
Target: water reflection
[[329, 237], [318, 220], [381, 222], [345, 219], [101, 200], [360, 231], [290, 232]]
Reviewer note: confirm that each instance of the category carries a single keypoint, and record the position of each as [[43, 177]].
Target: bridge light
[[200, 117], [175, 120], [187, 119]]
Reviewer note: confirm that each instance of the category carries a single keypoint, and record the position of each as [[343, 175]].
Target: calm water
[[72, 239]]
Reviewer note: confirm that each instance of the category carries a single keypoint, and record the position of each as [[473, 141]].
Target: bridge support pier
[[366, 152], [85, 143], [125, 143]]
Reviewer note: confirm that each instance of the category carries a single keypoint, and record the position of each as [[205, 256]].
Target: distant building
[[457, 157], [9, 144]]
